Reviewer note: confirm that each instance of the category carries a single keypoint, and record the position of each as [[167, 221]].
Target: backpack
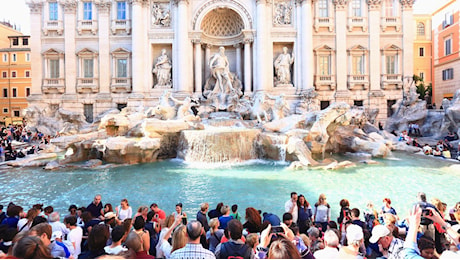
[[232, 250]]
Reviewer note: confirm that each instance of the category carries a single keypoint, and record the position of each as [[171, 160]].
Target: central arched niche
[[222, 26]]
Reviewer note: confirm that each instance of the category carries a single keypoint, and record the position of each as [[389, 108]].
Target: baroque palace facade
[[90, 56]]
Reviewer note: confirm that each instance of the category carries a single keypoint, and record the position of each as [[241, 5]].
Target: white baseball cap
[[354, 233], [56, 234], [378, 232]]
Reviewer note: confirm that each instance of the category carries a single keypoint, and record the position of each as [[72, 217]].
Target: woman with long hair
[[214, 235], [24, 224], [31, 247], [138, 225], [253, 222], [322, 212], [124, 211], [305, 216]]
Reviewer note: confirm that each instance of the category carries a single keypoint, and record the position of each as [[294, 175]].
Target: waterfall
[[218, 145]]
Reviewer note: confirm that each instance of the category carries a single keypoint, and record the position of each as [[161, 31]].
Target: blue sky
[[17, 12]]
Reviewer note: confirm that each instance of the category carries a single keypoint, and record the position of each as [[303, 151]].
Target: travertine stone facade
[[90, 56]]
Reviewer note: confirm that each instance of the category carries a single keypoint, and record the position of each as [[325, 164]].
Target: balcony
[[357, 22], [50, 26], [324, 22], [87, 85], [120, 85], [358, 82], [325, 82], [87, 25], [390, 22], [391, 80], [53, 86], [121, 25]]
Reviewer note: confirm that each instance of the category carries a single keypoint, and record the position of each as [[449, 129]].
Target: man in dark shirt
[[95, 207], [201, 216], [355, 218]]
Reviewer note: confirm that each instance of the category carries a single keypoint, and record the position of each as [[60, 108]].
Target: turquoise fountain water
[[265, 185]]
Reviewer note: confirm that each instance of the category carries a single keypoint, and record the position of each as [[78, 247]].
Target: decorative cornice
[[303, 1], [177, 2], [340, 4], [138, 2], [35, 5], [374, 5], [69, 5], [407, 3], [103, 5]]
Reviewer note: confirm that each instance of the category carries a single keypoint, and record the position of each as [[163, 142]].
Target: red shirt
[[161, 214]]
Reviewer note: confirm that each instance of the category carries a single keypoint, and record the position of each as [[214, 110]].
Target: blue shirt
[[224, 221], [411, 251]]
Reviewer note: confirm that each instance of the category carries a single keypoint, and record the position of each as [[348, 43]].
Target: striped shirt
[[193, 251]]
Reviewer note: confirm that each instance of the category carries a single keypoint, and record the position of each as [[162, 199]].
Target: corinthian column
[[408, 32], [247, 66], [263, 48], [181, 48], [374, 44], [198, 66], [307, 44], [137, 48]]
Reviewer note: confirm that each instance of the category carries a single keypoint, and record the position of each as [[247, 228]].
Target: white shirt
[[115, 250], [288, 206], [124, 213], [21, 223], [327, 253], [58, 226], [75, 235]]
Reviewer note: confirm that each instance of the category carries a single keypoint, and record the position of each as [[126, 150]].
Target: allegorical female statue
[[162, 70]]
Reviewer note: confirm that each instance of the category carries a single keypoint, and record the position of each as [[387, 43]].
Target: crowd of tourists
[[30, 142], [305, 230]]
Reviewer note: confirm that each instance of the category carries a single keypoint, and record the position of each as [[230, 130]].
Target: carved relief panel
[[161, 13], [282, 12]]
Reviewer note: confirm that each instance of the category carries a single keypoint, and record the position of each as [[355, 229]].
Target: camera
[[277, 229], [426, 212], [184, 220]]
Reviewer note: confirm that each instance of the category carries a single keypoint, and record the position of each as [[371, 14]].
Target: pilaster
[[263, 71], [198, 66], [374, 44], [104, 45], [70, 7], [35, 47], [307, 45], [247, 66], [341, 48], [137, 48], [408, 32], [181, 82]]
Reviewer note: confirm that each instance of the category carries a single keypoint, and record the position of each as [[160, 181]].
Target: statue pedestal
[[287, 89]]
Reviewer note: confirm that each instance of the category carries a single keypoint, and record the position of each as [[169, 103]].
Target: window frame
[[5, 57], [5, 93], [421, 51], [53, 10], [87, 11], [121, 11], [14, 57], [14, 92], [14, 74], [448, 51], [356, 12]]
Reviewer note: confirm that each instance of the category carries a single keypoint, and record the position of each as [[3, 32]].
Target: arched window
[[420, 29]]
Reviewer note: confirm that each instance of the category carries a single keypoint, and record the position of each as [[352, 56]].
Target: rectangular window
[[421, 52], [5, 57], [323, 10], [390, 10], [27, 92], [324, 104], [122, 68], [16, 113], [15, 92], [27, 57], [5, 92], [447, 46], [358, 103], [356, 8], [54, 69], [391, 65], [358, 65], [27, 74], [53, 10], [25, 41], [448, 74], [88, 68], [121, 10], [120, 106], [324, 65], [14, 57], [13, 74], [4, 74], [422, 75], [15, 41], [5, 110], [87, 11]]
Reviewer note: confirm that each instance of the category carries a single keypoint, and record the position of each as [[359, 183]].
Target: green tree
[[422, 90]]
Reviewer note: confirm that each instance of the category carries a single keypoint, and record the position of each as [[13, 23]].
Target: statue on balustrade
[[283, 68], [222, 83], [162, 70]]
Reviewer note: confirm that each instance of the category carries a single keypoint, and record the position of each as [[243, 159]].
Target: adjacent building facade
[[90, 56], [446, 56], [15, 73], [423, 48]]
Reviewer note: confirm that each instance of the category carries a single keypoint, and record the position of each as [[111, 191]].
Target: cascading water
[[218, 145]]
